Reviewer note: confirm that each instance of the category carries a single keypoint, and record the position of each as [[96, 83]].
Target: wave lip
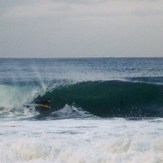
[[109, 98], [154, 80]]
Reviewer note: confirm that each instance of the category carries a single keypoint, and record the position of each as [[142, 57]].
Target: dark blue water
[[100, 86], [15, 70]]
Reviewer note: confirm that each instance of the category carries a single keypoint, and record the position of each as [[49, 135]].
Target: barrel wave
[[109, 98]]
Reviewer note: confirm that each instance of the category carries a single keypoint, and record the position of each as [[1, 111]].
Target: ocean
[[102, 110]]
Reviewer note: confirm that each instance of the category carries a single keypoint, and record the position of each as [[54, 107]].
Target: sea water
[[102, 110]]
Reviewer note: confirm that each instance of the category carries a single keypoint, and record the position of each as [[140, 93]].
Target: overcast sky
[[81, 28]]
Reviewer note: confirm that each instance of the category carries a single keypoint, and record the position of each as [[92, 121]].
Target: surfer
[[44, 104], [44, 107]]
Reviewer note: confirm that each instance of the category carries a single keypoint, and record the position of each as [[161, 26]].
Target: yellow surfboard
[[44, 106]]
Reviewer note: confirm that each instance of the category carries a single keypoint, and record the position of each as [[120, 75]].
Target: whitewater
[[102, 110]]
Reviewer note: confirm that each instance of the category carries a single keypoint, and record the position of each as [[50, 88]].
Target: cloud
[[73, 8], [80, 27], [34, 10]]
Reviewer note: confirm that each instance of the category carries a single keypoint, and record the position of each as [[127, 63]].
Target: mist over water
[[102, 110]]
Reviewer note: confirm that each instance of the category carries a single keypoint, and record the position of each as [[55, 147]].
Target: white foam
[[97, 141], [70, 112]]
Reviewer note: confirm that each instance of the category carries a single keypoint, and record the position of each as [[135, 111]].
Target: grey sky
[[81, 28]]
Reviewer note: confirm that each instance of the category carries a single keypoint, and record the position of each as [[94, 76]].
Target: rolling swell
[[109, 98]]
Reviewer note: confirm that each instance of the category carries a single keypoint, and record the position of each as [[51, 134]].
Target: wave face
[[109, 98]]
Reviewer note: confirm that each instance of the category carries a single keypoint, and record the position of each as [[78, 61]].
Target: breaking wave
[[108, 98], [114, 98]]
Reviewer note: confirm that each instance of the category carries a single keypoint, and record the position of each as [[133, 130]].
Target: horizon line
[[78, 57]]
